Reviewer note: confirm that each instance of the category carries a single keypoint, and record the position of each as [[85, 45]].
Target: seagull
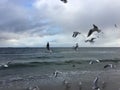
[[80, 85], [93, 30], [115, 26], [91, 62], [108, 65], [104, 85], [67, 84], [76, 47], [65, 1], [56, 73], [75, 34], [5, 65], [33, 88], [48, 47], [95, 84], [91, 40]]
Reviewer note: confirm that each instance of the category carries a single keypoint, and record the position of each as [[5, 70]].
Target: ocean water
[[22, 68]]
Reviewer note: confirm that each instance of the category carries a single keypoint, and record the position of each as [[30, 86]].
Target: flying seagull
[[75, 34], [56, 73], [76, 47], [91, 40], [93, 30], [65, 1], [115, 26], [97, 61], [108, 65], [95, 84], [48, 47]]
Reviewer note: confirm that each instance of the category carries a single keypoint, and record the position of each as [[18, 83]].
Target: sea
[[35, 68]]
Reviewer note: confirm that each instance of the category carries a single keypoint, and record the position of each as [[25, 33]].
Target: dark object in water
[[93, 30], [73, 65]]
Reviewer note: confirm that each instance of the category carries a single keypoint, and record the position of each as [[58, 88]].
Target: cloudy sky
[[33, 23]]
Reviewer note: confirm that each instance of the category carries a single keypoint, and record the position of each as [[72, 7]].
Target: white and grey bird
[[95, 28], [33, 88], [94, 61], [90, 40], [76, 47], [75, 34], [95, 84], [55, 74], [109, 65]]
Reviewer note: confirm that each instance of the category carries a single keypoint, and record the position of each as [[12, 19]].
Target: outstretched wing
[[90, 32], [95, 82], [65, 1], [95, 26]]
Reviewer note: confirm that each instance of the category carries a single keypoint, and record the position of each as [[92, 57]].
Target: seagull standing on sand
[[75, 34], [65, 1], [95, 84], [93, 30]]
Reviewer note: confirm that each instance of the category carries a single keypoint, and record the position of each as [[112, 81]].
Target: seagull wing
[[65, 1], [95, 82], [90, 32], [47, 46], [95, 26], [73, 34]]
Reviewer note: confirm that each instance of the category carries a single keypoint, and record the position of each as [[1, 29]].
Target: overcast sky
[[33, 23]]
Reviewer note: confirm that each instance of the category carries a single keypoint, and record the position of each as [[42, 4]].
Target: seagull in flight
[[76, 47], [56, 73], [48, 47], [65, 1], [108, 65], [116, 25], [95, 84], [97, 61], [75, 34], [93, 30], [91, 40]]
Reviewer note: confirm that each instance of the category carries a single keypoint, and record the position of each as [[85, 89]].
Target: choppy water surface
[[29, 67]]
